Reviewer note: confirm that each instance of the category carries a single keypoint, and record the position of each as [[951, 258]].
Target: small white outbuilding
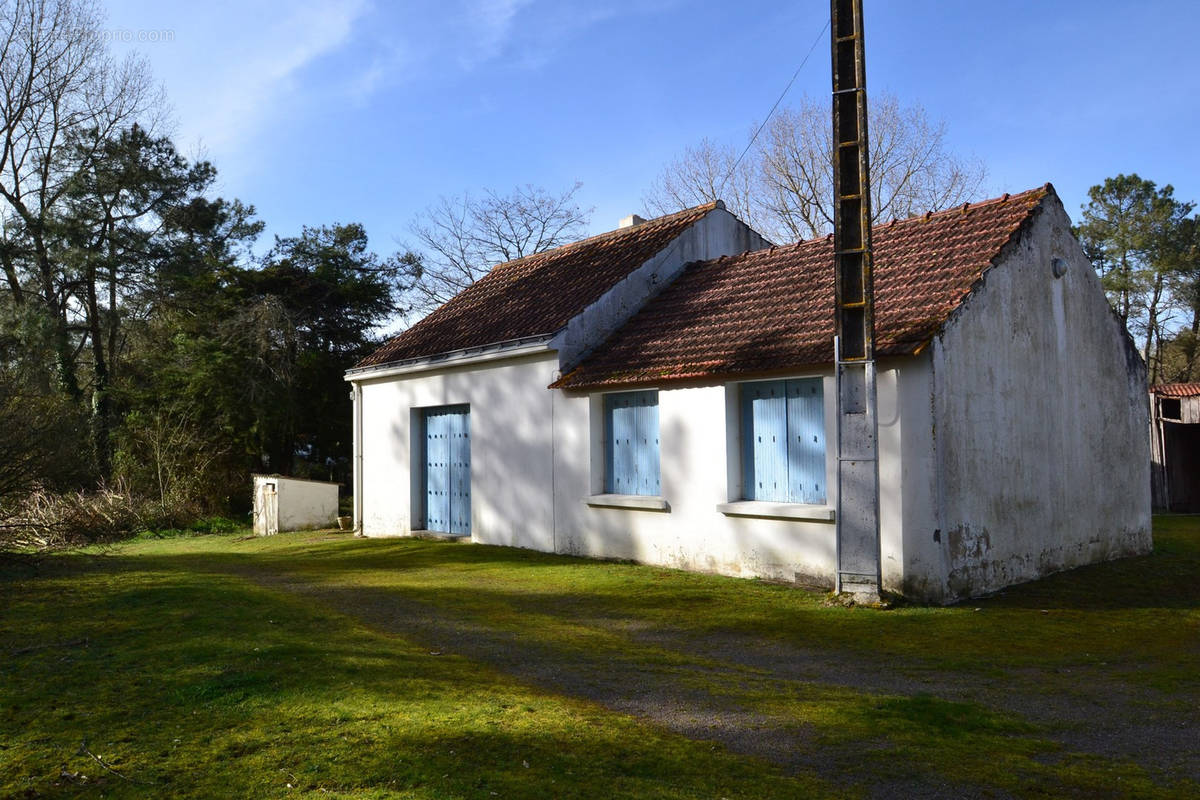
[[293, 504]]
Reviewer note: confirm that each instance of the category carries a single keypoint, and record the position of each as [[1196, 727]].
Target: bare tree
[[461, 238], [169, 449], [784, 185], [709, 171], [62, 96]]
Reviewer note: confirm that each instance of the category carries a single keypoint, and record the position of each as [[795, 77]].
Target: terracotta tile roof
[[772, 310], [1177, 389], [536, 295]]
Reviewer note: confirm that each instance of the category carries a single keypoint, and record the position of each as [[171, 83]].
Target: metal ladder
[[858, 551]]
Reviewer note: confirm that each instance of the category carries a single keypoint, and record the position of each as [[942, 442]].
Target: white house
[[664, 393]]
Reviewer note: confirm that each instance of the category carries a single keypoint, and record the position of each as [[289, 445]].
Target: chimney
[[630, 221]]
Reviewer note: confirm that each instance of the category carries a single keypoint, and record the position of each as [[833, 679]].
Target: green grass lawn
[[226, 666]]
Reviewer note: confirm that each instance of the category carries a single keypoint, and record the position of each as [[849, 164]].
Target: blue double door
[[447, 465]]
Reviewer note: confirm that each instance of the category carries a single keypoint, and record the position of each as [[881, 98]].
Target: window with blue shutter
[[783, 441], [631, 443]]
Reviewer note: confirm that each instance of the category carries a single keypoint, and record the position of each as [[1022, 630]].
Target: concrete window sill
[[758, 508], [637, 502]]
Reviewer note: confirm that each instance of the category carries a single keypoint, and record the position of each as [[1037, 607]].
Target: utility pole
[[858, 559]]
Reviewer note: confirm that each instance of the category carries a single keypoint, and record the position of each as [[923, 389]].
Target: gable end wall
[[717, 233], [1041, 436]]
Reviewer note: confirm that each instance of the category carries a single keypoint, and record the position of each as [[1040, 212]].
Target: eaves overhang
[[528, 345]]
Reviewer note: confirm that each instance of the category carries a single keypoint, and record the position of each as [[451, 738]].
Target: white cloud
[[490, 24], [253, 85], [433, 39], [233, 67], [230, 66]]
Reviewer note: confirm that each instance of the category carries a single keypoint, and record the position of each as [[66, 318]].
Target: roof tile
[[1177, 389], [772, 310], [536, 295]]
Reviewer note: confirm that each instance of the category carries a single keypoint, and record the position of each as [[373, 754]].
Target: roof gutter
[[496, 351]]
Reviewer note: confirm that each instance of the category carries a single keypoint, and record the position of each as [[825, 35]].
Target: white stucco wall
[[701, 468], [1041, 431], [537, 459], [906, 472], [697, 475], [918, 558], [511, 423]]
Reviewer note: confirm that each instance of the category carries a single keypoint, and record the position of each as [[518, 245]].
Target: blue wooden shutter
[[437, 475], [620, 432], [646, 427], [767, 451], [460, 471], [631, 443], [806, 441], [783, 441]]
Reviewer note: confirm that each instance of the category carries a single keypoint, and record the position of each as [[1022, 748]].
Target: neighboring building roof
[[536, 295], [772, 310], [1177, 389]]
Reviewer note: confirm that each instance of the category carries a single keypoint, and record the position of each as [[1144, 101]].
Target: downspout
[[940, 534], [357, 481], [554, 467]]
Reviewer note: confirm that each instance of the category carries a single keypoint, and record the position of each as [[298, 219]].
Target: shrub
[[170, 454], [216, 525]]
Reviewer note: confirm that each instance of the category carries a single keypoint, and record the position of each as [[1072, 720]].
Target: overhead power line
[[770, 113]]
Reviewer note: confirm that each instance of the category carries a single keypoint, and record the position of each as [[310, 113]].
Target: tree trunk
[[1152, 328], [1195, 345], [64, 359], [114, 321], [101, 400], [10, 274], [1125, 303]]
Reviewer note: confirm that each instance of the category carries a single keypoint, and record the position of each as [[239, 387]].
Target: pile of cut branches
[[44, 520]]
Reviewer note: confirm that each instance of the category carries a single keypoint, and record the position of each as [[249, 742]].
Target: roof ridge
[[928, 216], [702, 208], [1039, 193]]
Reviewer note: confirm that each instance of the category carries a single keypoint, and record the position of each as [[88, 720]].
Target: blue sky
[[352, 110]]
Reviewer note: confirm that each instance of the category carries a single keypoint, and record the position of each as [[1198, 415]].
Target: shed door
[[448, 469], [270, 509]]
